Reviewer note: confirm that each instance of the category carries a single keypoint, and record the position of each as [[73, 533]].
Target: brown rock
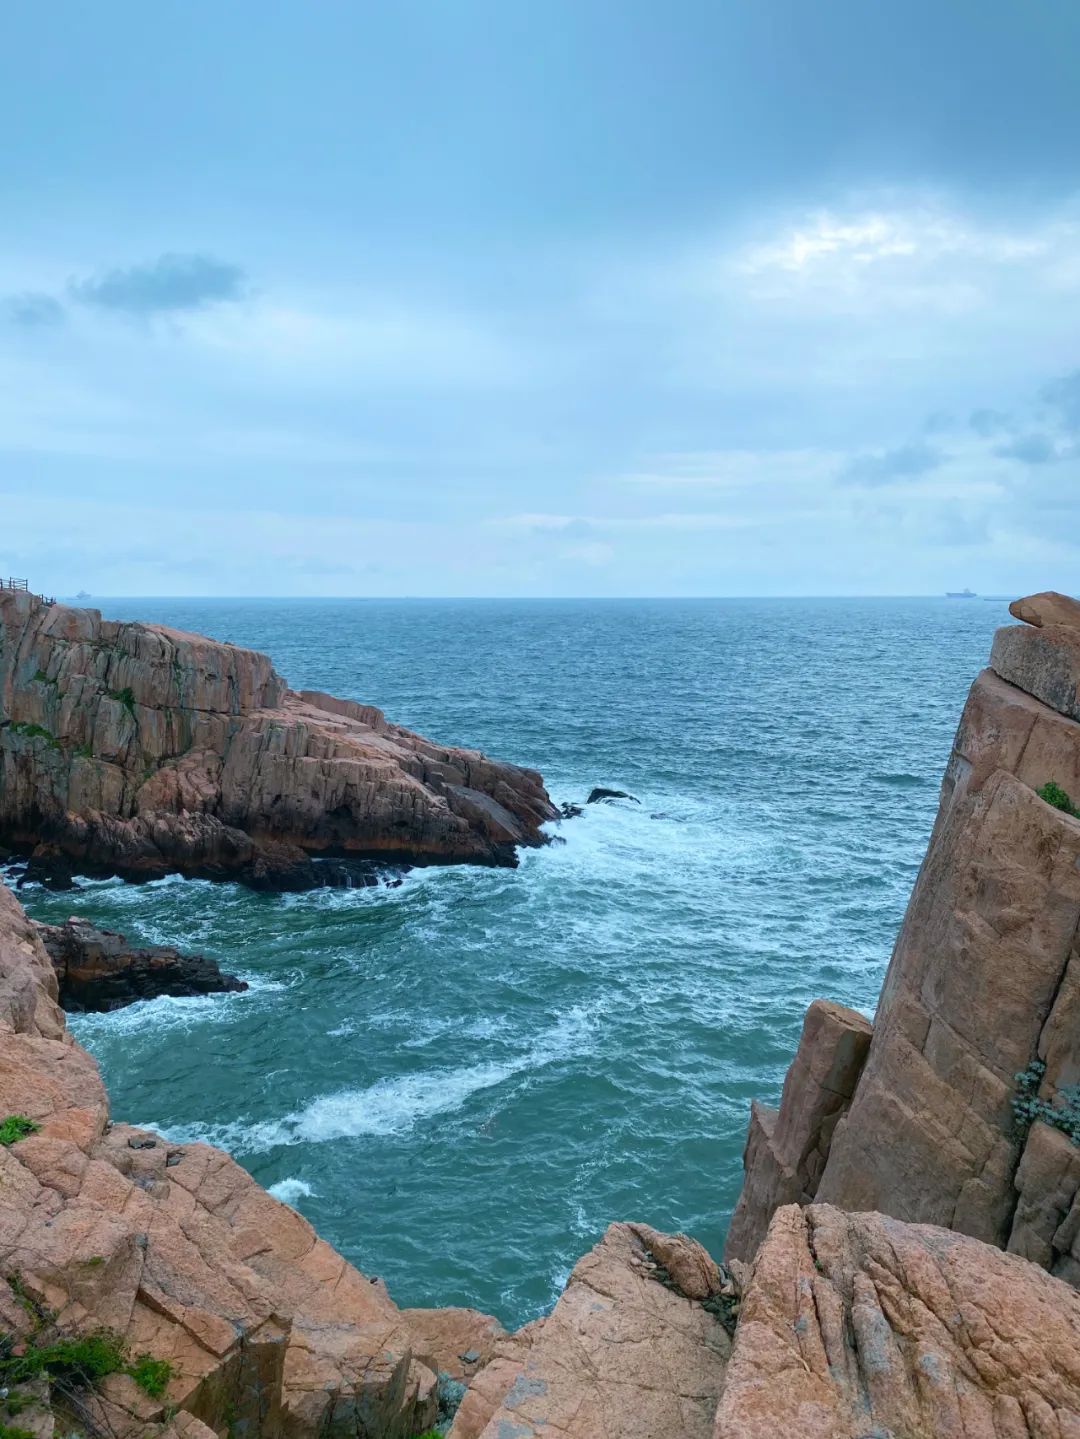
[[856, 1325], [786, 1150], [1043, 662], [177, 1249], [98, 970], [1047, 608], [452, 1341], [142, 750], [620, 1355]]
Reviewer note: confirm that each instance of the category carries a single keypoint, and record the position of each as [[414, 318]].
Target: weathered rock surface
[[856, 1325], [984, 983], [786, 1150], [1047, 608], [175, 1247], [142, 750], [98, 970], [621, 1355]]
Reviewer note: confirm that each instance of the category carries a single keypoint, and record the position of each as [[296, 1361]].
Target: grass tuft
[[16, 1127], [1054, 795]]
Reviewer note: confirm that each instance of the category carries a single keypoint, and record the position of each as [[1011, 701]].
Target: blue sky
[[582, 297]]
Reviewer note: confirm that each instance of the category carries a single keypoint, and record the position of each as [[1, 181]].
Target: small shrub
[[84, 751], [81, 1362], [34, 731], [151, 1375], [126, 697], [1054, 795], [41, 678], [13, 1431], [16, 1127], [1062, 1113]]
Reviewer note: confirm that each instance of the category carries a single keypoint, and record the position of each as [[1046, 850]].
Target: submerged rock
[[599, 795], [98, 970], [139, 750]]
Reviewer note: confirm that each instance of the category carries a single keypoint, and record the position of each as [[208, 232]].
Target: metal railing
[[22, 587]]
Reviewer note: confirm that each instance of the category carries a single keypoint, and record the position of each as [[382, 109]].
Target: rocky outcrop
[[625, 1352], [98, 970], [855, 1325], [786, 1149], [140, 750], [977, 1033], [177, 1250]]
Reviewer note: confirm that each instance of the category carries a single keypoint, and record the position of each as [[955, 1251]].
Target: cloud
[[1063, 395], [888, 467], [1031, 449], [33, 310], [169, 285], [988, 422]]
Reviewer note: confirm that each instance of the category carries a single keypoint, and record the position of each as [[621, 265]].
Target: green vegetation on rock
[[1063, 1113], [1054, 795], [126, 697], [15, 1127]]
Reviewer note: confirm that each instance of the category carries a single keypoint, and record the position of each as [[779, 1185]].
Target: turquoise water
[[463, 1079]]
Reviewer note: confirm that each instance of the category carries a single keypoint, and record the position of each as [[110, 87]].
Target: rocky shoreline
[[137, 750], [903, 1262]]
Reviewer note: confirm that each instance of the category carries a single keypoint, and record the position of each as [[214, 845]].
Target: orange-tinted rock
[[786, 1150], [855, 1325], [143, 750], [1047, 608], [621, 1355], [178, 1250]]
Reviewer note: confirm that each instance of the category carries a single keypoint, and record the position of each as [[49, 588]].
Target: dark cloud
[[889, 466], [988, 422], [1031, 449], [1063, 395], [33, 310], [168, 285]]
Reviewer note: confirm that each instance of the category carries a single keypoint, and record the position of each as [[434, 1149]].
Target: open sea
[[462, 1079]]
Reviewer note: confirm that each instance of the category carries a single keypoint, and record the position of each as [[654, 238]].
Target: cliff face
[[177, 1250], [142, 750], [983, 985]]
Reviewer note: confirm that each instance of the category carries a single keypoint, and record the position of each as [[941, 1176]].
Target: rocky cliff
[[228, 1316], [141, 750], [962, 1110]]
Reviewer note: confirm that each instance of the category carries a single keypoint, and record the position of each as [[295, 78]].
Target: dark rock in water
[[570, 811], [51, 871], [98, 970], [599, 795]]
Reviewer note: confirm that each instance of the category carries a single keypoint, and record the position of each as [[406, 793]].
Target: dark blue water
[[461, 1081]]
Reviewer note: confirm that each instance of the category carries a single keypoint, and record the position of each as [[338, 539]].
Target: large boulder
[[856, 1325], [625, 1353]]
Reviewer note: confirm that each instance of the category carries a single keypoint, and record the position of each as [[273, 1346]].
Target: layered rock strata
[[98, 970], [140, 750], [978, 1028]]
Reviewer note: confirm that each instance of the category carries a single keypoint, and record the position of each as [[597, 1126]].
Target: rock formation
[[98, 970], [856, 1326], [139, 750], [177, 1250], [959, 1105], [959, 1111], [624, 1352]]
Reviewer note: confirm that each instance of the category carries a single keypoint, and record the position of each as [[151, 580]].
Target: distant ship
[[960, 594], [82, 595]]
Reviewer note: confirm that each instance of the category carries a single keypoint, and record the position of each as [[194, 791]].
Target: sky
[[540, 297]]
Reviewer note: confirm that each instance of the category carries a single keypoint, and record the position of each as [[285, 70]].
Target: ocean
[[461, 1079]]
